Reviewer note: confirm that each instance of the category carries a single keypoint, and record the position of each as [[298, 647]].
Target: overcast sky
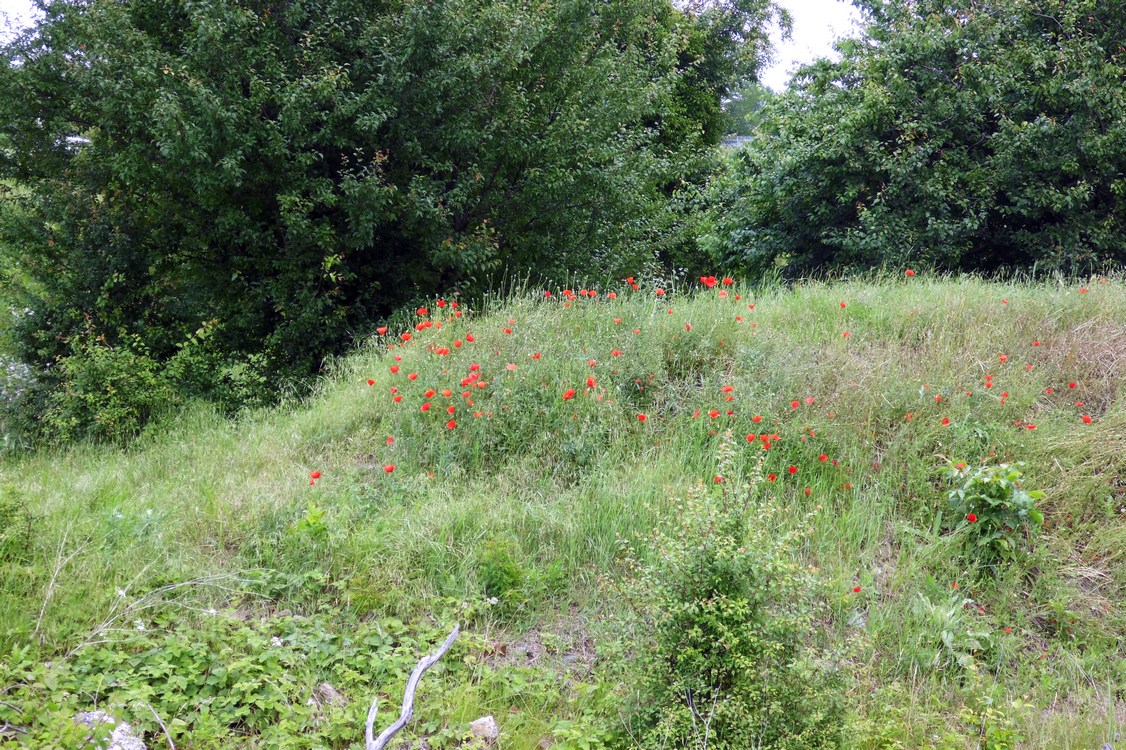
[[816, 24]]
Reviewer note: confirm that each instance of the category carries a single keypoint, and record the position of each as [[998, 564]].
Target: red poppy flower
[[469, 338], [843, 305], [451, 409], [771, 477], [756, 418], [728, 281], [390, 440], [381, 330], [425, 407], [1072, 384], [451, 424], [751, 438], [430, 392], [389, 468], [971, 517], [708, 281], [422, 311], [946, 421], [405, 336], [713, 413], [822, 458], [1086, 419], [795, 404], [660, 292], [568, 394], [909, 272], [641, 417], [397, 399], [314, 475], [793, 470], [688, 326], [412, 376], [856, 589], [616, 353], [589, 382]]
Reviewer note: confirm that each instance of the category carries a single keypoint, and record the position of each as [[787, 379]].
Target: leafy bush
[[727, 624], [993, 510], [106, 392]]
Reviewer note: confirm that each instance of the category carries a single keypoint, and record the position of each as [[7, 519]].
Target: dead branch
[[408, 699]]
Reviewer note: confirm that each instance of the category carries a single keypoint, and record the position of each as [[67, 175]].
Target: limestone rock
[[326, 694], [122, 737], [486, 730]]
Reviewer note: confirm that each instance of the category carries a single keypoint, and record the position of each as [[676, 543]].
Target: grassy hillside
[[460, 480]]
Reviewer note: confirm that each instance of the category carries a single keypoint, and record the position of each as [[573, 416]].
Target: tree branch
[[408, 699]]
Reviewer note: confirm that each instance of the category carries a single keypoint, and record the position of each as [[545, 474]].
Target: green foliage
[[993, 510], [106, 391], [727, 614], [221, 678], [959, 135], [746, 107], [946, 636], [245, 187]]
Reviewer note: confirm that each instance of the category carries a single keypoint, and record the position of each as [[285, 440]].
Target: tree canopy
[[255, 183], [963, 134]]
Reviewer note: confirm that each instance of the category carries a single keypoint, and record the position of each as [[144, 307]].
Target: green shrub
[[992, 510], [107, 392], [726, 613]]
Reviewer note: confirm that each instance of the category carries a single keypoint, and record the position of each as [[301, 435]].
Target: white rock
[[486, 730], [122, 737]]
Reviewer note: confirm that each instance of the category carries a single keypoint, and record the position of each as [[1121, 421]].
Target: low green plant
[[726, 616], [994, 509], [946, 635], [995, 722], [107, 392]]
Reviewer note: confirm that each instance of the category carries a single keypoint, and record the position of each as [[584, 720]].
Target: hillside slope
[[486, 467]]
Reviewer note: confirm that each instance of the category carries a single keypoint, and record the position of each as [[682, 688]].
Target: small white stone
[[485, 729]]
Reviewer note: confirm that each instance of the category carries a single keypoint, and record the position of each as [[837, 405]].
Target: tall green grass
[[545, 489]]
